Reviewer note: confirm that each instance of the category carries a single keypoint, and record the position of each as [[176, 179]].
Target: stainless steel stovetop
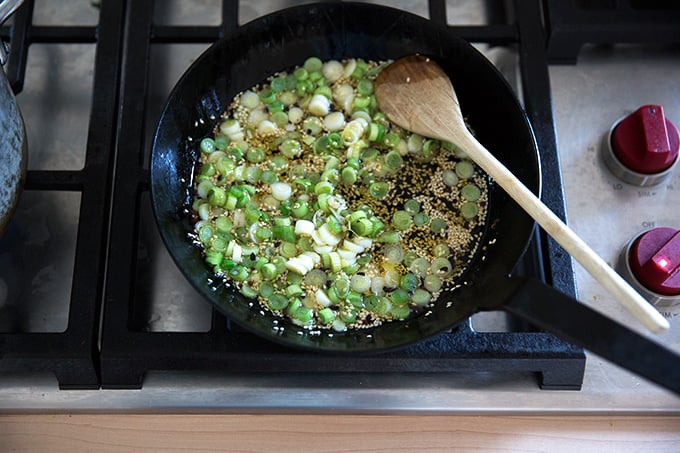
[[606, 83]]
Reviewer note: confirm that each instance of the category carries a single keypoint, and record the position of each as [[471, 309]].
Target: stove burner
[[117, 287]]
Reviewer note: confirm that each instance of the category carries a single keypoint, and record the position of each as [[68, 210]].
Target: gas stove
[[94, 315]]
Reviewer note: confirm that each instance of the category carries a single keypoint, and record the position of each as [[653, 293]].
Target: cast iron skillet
[[339, 30]]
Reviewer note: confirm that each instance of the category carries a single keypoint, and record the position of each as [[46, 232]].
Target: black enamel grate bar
[[571, 24], [72, 355], [128, 353]]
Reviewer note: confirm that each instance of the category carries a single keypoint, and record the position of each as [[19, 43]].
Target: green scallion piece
[[300, 74], [412, 206], [355, 299], [207, 145], [217, 196], [239, 273], [303, 314], [326, 316], [293, 278], [470, 192], [409, 282], [262, 233], [420, 219], [236, 153], [266, 290], [280, 118], [450, 178], [222, 223], [334, 224], [420, 266], [342, 287], [288, 97], [392, 139], [205, 233], [393, 160], [288, 249], [399, 296], [323, 187], [437, 225], [269, 271], [221, 142], [299, 208], [293, 290], [465, 169], [441, 266], [369, 154], [400, 312], [225, 166], [362, 226], [284, 233], [441, 250], [267, 95], [316, 278], [378, 189], [269, 177], [382, 306], [421, 297], [401, 220], [432, 283], [389, 237], [348, 316], [312, 64], [290, 148], [324, 91], [277, 302], [334, 140], [304, 87], [213, 258], [469, 209], [278, 84], [204, 188], [365, 87], [348, 175]]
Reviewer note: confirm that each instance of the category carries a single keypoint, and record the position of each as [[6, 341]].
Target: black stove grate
[[72, 354], [571, 24], [125, 37]]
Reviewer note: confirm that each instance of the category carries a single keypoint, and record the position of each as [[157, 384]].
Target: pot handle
[[574, 322]]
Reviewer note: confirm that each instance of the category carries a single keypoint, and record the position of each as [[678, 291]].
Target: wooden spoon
[[416, 94]]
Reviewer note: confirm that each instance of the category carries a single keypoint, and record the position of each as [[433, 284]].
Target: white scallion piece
[[304, 227], [314, 256], [332, 70], [334, 121], [237, 255], [320, 105], [250, 100], [322, 298], [266, 127], [350, 66], [281, 191], [327, 236], [295, 115]]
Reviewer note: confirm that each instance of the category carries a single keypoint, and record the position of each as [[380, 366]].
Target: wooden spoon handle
[[564, 235]]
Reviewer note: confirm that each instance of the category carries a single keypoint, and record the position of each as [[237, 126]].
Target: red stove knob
[[651, 263], [642, 148]]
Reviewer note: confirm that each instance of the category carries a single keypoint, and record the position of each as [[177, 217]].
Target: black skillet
[[339, 30]]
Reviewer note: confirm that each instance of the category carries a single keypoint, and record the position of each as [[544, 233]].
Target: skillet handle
[[574, 322]]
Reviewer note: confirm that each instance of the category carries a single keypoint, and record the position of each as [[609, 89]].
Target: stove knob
[[650, 262], [642, 148]]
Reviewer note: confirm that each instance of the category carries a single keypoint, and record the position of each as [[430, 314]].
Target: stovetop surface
[[587, 98]]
